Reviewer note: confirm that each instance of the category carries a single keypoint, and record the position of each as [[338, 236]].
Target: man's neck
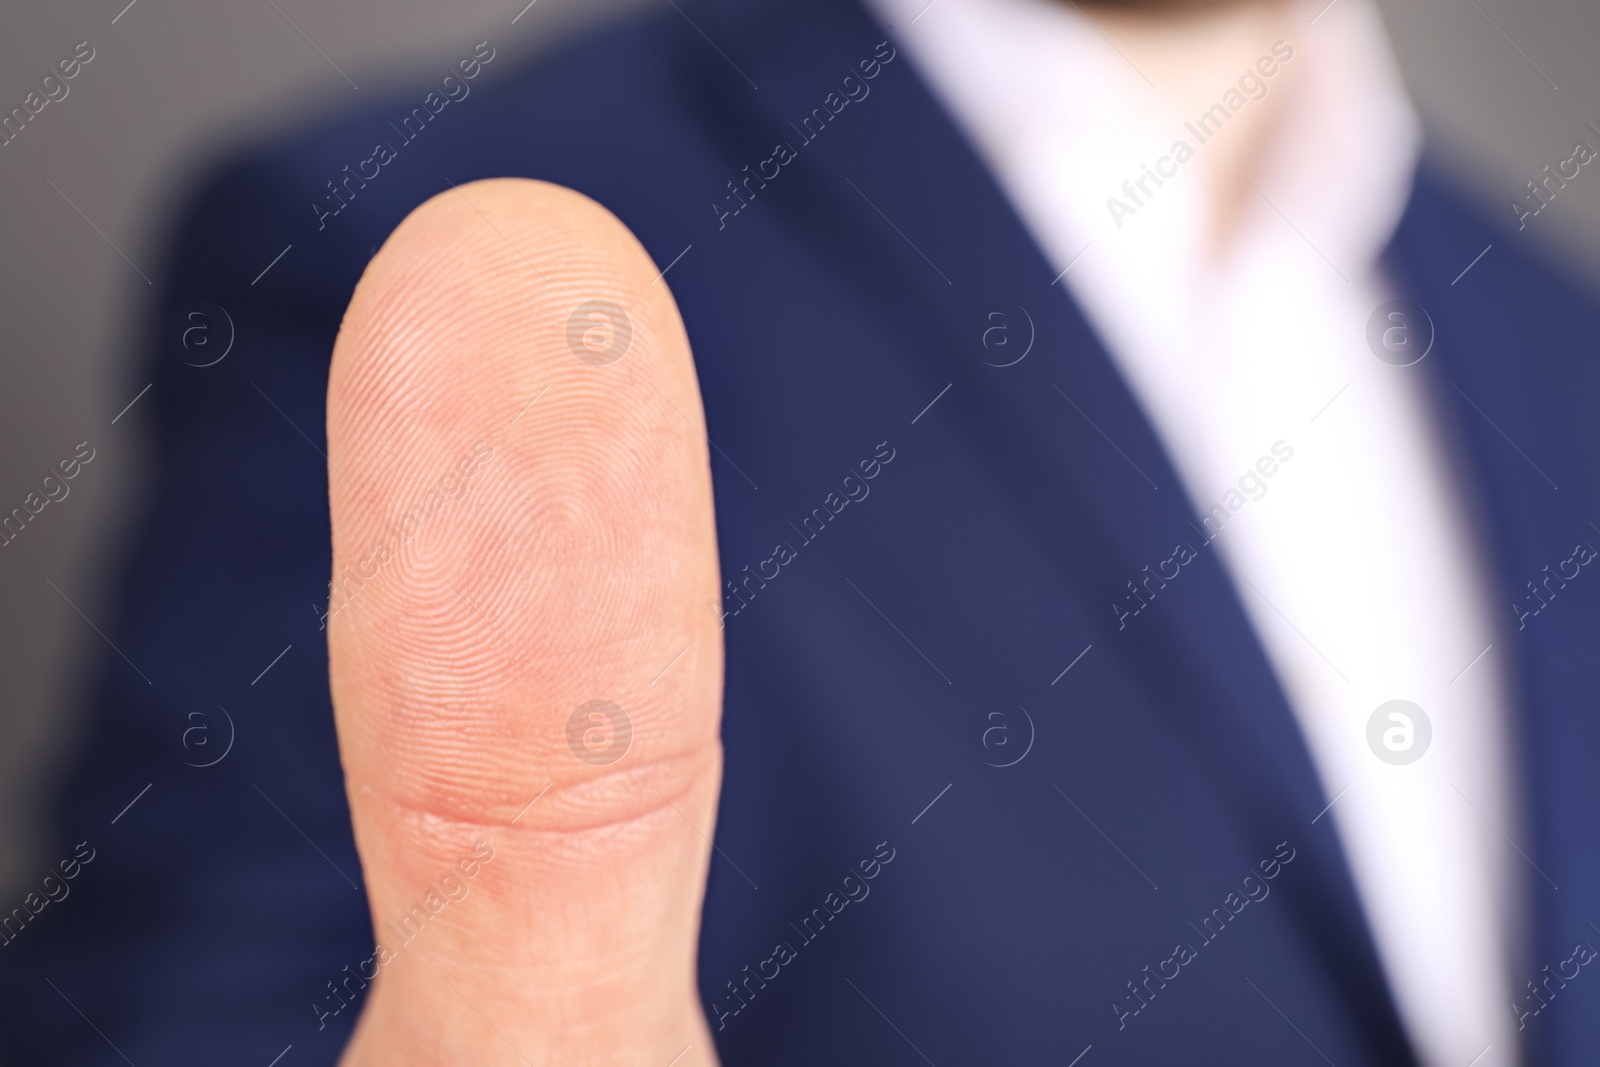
[[1188, 52]]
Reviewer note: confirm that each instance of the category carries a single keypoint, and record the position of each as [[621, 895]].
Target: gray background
[[174, 79]]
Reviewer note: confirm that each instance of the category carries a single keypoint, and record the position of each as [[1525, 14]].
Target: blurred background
[[89, 189]]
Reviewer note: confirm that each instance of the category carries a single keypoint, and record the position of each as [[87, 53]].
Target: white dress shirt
[[1357, 566]]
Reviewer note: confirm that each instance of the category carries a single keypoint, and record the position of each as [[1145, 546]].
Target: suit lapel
[[888, 194], [1515, 383]]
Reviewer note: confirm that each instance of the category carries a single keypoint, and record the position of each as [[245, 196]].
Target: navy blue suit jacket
[[1121, 860]]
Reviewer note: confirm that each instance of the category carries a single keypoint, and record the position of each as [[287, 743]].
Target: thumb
[[526, 679]]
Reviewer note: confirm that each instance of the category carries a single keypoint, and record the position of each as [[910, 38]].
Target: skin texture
[[571, 564], [522, 525]]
